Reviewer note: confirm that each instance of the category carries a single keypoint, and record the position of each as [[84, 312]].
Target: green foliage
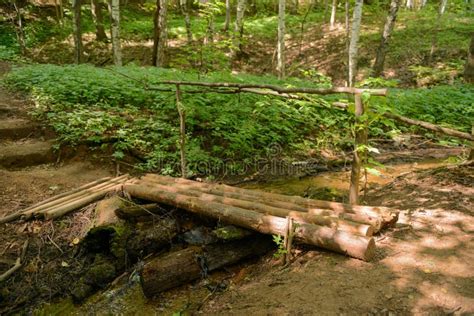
[[280, 242], [93, 105], [450, 106], [112, 106], [442, 74]]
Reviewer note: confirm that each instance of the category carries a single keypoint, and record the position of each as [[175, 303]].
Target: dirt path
[[30, 172], [424, 265]]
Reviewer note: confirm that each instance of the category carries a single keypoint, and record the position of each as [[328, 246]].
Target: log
[[304, 217], [76, 204], [429, 126], [18, 214], [386, 213], [324, 237], [322, 91], [423, 124], [363, 214], [105, 211], [132, 211], [67, 199], [183, 266]]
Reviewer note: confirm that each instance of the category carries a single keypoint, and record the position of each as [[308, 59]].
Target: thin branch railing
[[294, 93]]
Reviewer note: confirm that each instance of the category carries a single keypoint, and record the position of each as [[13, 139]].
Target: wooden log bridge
[[342, 228]]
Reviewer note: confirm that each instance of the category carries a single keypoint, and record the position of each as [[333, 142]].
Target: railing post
[[182, 131], [360, 139]]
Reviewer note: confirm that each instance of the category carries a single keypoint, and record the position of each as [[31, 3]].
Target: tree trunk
[[438, 24], [114, 8], [227, 16], [210, 30], [281, 40], [239, 28], [358, 156], [160, 33], [96, 11], [77, 30], [20, 32], [294, 212], [333, 15], [353, 45], [324, 237], [187, 20], [59, 11], [348, 30], [387, 32], [317, 207], [469, 68], [183, 266]]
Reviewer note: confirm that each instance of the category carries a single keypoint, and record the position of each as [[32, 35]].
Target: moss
[[230, 233]]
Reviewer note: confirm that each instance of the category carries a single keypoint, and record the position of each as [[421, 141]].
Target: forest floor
[[424, 264]]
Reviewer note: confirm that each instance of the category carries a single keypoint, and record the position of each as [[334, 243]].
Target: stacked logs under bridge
[[342, 228], [346, 229]]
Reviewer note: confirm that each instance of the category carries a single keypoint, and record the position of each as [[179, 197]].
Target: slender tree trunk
[[77, 30], [187, 20], [59, 11], [359, 155], [442, 6], [227, 16], [239, 27], [348, 31], [469, 68], [333, 15], [434, 41], [409, 4], [96, 11], [114, 8], [384, 42], [20, 32], [353, 45], [281, 40], [326, 6], [160, 33], [210, 23]]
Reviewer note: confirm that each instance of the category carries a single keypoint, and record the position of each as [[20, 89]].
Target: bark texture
[[96, 11], [469, 68], [227, 16], [353, 45], [384, 42], [160, 33], [187, 20], [316, 207], [332, 21], [77, 30], [281, 40], [183, 266], [359, 154], [114, 8], [239, 27], [339, 241]]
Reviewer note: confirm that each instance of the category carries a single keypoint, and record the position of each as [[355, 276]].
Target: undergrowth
[[118, 107]]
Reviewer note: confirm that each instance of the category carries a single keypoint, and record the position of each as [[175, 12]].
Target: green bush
[[94, 105], [120, 106]]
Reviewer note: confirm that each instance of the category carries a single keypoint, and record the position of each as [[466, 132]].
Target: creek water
[[334, 185]]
